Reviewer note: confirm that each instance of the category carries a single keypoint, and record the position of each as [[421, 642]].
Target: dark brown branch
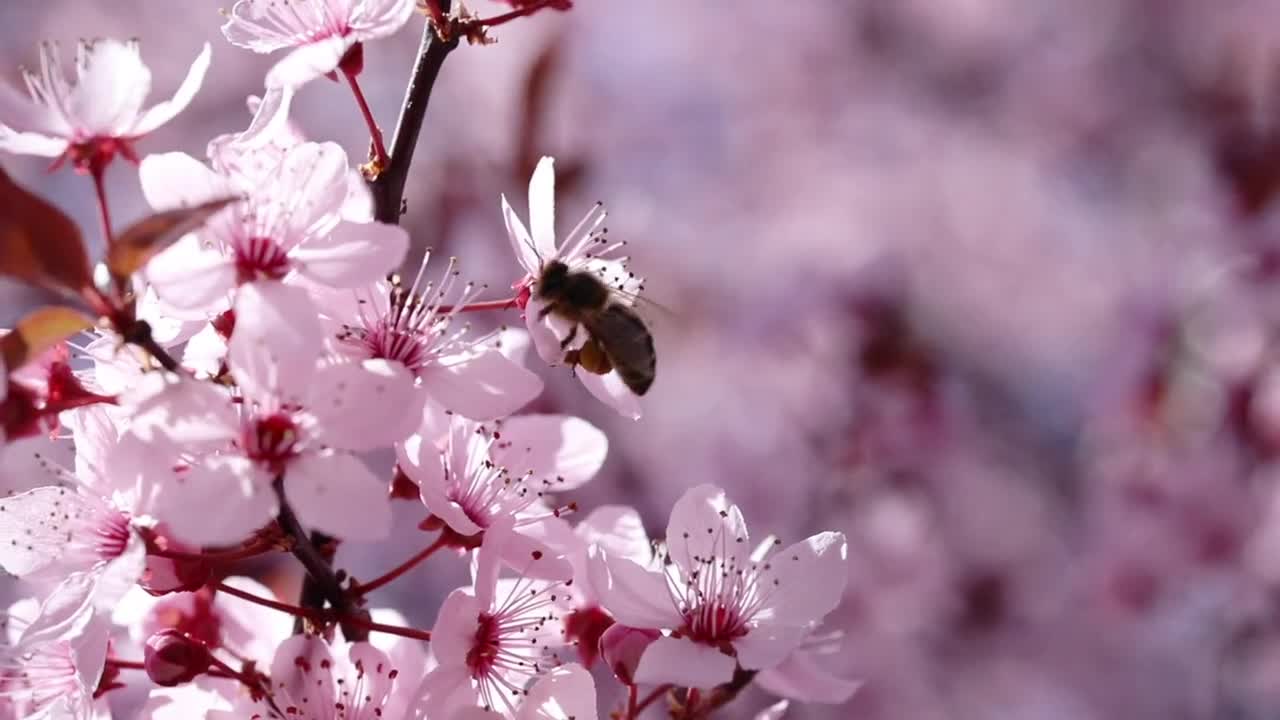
[[139, 333], [321, 583], [388, 187]]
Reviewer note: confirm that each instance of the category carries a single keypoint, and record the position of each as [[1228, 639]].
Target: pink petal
[[163, 112], [704, 524], [684, 664], [368, 669], [120, 574], [635, 596], [521, 243], [270, 120], [165, 328], [455, 629], [205, 351], [65, 613], [810, 578], [354, 254], [610, 390], [30, 143], [775, 711], [546, 332], [302, 672], [33, 462], [380, 18], [312, 186], [28, 540], [108, 96], [22, 115], [250, 629], [173, 180], [564, 693], [561, 450], [542, 207], [336, 494], [448, 691], [190, 280], [217, 502], [309, 62], [482, 386], [276, 342], [804, 678], [196, 415], [619, 530], [364, 406], [768, 645], [530, 557]]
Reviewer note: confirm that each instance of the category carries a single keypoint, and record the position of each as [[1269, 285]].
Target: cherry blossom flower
[[723, 604], [293, 226], [320, 35], [310, 680], [86, 524], [493, 638], [54, 660], [470, 376], [805, 674], [96, 116], [586, 247], [501, 473], [299, 419]]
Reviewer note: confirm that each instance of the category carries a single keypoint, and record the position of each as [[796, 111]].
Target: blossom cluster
[[246, 373]]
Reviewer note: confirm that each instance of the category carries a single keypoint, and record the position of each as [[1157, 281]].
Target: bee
[[617, 339]]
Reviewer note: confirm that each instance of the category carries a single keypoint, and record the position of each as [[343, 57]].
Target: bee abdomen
[[628, 343]]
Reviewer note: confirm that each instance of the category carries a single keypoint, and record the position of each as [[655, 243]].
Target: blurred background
[[988, 285]]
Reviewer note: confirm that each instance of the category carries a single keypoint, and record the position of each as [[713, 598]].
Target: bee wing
[[628, 343], [624, 284]]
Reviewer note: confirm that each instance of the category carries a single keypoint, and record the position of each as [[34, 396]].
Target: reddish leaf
[[39, 331], [148, 236], [38, 243]]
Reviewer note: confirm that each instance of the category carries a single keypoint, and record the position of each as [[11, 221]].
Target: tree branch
[[388, 187], [321, 583]]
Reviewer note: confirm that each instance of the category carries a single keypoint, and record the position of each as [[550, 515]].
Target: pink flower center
[[259, 258], [272, 440], [483, 654], [402, 346], [112, 535]]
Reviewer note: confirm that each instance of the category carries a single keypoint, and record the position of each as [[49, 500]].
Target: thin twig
[[388, 187], [321, 575]]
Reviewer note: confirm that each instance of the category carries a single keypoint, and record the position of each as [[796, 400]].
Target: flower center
[[402, 346], [260, 258], [484, 652], [112, 535], [272, 440]]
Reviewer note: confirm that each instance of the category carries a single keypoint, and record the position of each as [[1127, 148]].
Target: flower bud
[[171, 658], [622, 647]]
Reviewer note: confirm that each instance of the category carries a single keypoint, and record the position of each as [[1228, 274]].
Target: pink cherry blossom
[[88, 523], [723, 604], [98, 114], [299, 419], [500, 473], [293, 226], [455, 371], [805, 674], [491, 639], [586, 247], [51, 666], [310, 680]]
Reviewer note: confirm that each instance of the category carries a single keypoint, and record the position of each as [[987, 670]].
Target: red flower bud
[[171, 658]]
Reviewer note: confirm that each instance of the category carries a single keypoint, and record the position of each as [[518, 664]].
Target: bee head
[[552, 279]]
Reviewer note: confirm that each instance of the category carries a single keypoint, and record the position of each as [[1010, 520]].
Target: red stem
[[648, 700], [401, 569], [100, 189], [274, 605], [414, 633], [486, 305], [375, 133], [216, 556], [508, 17], [633, 693], [126, 664]]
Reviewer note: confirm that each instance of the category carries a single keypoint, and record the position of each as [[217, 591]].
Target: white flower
[[98, 114]]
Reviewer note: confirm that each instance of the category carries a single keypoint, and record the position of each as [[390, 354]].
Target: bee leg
[[573, 333]]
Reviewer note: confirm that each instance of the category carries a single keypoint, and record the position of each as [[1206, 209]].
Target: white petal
[[546, 332], [354, 254], [455, 629], [619, 530], [336, 494], [276, 342], [482, 386], [542, 207], [120, 574], [303, 668], [364, 406], [175, 180], [564, 451], [218, 502], [311, 187], [610, 390], [564, 693], [766, 646], [271, 119], [190, 281], [30, 143], [775, 711], [704, 524], [635, 596], [810, 579], [108, 97], [684, 664], [309, 62], [521, 243], [31, 537], [163, 112]]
